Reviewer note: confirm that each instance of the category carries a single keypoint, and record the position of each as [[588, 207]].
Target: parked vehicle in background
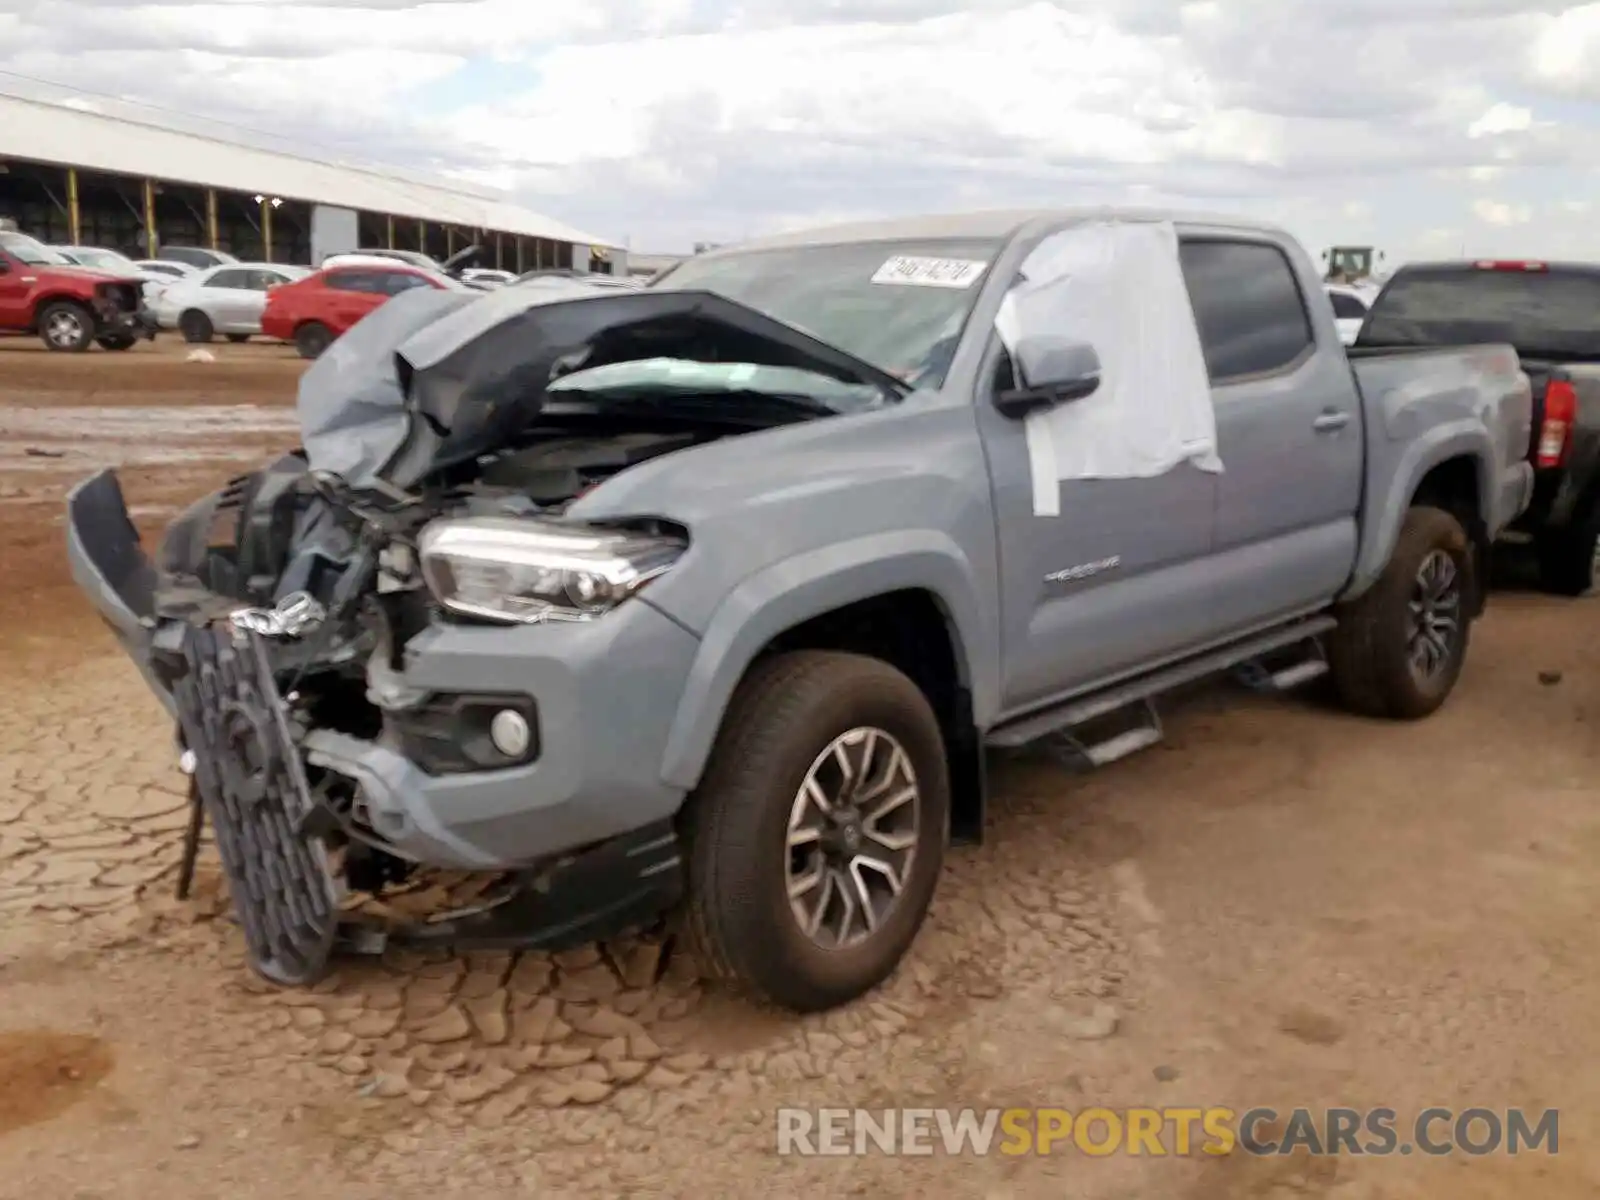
[[454, 267], [196, 256], [228, 300], [170, 270], [489, 275], [1349, 310], [593, 278], [314, 311], [1549, 311], [100, 259], [728, 612], [70, 307]]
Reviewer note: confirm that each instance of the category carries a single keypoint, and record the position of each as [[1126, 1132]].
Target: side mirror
[[1050, 371]]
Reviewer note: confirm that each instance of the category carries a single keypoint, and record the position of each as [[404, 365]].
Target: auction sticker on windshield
[[910, 271]]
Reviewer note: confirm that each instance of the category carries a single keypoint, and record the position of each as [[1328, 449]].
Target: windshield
[[900, 306], [23, 248], [1546, 313]]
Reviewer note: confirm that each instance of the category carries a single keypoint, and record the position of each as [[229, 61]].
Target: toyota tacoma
[[707, 599]]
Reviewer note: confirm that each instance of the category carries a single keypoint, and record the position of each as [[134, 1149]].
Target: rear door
[[1289, 431]]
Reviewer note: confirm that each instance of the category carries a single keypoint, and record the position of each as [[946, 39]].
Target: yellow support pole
[[422, 236], [266, 229], [449, 240], [499, 253], [150, 239], [519, 254], [73, 223], [389, 229], [213, 226]]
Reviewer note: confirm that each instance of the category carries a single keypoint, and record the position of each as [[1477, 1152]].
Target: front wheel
[[312, 339], [1400, 646], [66, 327], [817, 834]]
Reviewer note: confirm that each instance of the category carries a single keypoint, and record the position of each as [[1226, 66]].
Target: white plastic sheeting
[[1119, 287]]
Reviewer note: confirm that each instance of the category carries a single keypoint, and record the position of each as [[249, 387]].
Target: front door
[[1289, 432], [15, 293], [1103, 572]]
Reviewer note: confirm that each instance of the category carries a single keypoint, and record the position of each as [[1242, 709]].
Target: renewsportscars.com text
[[1099, 1132]]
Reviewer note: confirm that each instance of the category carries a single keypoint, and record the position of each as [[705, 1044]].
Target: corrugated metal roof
[[68, 135]]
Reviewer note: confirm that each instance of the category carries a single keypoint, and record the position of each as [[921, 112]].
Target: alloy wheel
[[852, 835], [1434, 616]]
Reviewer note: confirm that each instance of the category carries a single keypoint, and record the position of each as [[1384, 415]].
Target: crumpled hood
[[436, 378]]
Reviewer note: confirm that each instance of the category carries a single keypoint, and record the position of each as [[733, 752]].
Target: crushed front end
[[346, 733]]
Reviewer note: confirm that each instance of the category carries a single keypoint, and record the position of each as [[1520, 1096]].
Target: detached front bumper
[[583, 826]]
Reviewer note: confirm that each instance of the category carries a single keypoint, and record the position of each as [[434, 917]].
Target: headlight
[[525, 572]]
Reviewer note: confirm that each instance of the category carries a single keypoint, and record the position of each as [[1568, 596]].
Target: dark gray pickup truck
[[715, 593]]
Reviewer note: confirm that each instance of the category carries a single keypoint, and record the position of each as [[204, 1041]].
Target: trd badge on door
[[1084, 570]]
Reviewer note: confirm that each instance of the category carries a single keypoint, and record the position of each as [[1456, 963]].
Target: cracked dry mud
[[1280, 906]]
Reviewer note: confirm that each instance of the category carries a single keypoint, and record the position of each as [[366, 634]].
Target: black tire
[[739, 918], [116, 341], [312, 339], [66, 327], [1566, 558], [196, 327], [238, 339], [1370, 651]]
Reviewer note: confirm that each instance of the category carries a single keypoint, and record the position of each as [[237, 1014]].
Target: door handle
[[1331, 421]]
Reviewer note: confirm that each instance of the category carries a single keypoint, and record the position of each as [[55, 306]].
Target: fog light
[[509, 732]]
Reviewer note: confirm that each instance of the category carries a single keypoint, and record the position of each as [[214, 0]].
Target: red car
[[71, 308], [313, 311]]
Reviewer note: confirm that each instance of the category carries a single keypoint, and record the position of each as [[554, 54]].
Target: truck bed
[[1452, 393]]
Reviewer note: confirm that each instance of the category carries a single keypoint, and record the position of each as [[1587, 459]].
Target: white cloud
[[681, 120], [1496, 212]]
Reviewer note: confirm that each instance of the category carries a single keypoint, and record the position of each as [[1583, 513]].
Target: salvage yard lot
[[1281, 906]]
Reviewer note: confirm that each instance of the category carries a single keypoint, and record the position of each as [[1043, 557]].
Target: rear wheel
[[1400, 646], [116, 341], [66, 327], [312, 338], [817, 834], [196, 326], [1567, 558]]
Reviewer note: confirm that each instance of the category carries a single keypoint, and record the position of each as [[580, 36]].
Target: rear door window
[[1346, 307], [1248, 307]]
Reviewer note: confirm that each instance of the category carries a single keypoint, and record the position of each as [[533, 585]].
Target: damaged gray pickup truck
[[707, 599]]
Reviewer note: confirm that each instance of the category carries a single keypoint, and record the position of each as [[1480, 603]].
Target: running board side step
[[1143, 688]]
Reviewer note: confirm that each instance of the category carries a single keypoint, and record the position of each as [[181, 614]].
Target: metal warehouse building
[[73, 175]]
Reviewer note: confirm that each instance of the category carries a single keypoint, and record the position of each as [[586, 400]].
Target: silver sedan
[[225, 300]]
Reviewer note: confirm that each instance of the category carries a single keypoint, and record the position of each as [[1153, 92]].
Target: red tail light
[[1515, 264], [1560, 411]]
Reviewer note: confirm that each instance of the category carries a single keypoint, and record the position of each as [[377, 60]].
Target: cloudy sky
[[1419, 126]]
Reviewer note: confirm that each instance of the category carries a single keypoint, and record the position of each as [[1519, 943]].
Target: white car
[[228, 300], [97, 259], [1350, 306], [489, 275]]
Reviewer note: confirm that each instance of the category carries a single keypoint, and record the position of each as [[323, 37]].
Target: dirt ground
[[1280, 906]]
